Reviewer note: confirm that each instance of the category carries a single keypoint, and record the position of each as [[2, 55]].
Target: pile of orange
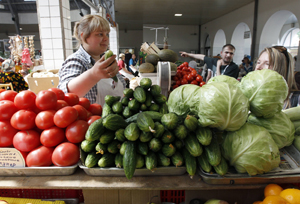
[[275, 194]]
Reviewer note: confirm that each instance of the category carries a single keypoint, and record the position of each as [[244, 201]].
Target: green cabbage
[[224, 78], [251, 149], [184, 100], [222, 106], [266, 91], [280, 127]]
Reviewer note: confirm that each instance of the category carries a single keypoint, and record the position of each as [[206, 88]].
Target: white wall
[[132, 38]]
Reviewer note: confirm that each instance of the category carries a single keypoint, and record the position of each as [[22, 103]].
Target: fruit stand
[[202, 144]]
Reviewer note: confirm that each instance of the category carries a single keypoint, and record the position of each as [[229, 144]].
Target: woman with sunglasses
[[280, 60]]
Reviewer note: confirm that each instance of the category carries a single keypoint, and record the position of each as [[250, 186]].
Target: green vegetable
[[140, 161], [107, 137], [216, 201], [293, 113], [192, 145], [178, 144], [128, 93], [88, 146], [120, 135], [114, 122], [180, 132], [177, 159], [139, 94], [106, 110], [296, 124], [123, 147], [224, 78], [280, 127], [155, 90], [266, 90], [191, 122], [145, 136], [159, 130], [296, 142], [92, 159], [221, 168], [151, 161], [119, 160], [114, 147], [117, 107], [95, 130], [142, 148], [108, 54], [155, 144], [125, 101], [149, 99], [168, 150], [204, 135], [145, 122], [190, 163], [101, 148], [134, 105], [162, 160], [167, 137], [251, 149], [213, 152], [129, 159], [154, 107], [160, 99], [110, 100], [170, 120], [203, 163], [145, 83], [132, 132], [107, 160], [223, 106], [163, 108]]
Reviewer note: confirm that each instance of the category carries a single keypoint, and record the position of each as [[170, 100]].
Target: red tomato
[[194, 73], [184, 73], [35, 109], [199, 78], [92, 119], [44, 119], [175, 78], [23, 120], [24, 154], [89, 114], [178, 83], [185, 69], [52, 136], [1, 90], [26, 140], [186, 64], [7, 109], [175, 86], [8, 95], [65, 116], [189, 78], [7, 133], [179, 74], [184, 81], [82, 112], [25, 99], [75, 132], [65, 154], [95, 109], [46, 100], [60, 104], [84, 102], [71, 99], [41, 156], [194, 82], [59, 93], [202, 83]]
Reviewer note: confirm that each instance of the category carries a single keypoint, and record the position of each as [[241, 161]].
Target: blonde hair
[[87, 25], [282, 62]]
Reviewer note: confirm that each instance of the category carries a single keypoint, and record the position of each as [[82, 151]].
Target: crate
[[42, 193], [174, 196], [149, 49]]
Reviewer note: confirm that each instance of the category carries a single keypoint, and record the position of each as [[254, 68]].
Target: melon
[[167, 55], [173, 66], [146, 68], [152, 58]]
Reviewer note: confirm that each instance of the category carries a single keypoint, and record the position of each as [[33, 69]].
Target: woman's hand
[[105, 68], [184, 54]]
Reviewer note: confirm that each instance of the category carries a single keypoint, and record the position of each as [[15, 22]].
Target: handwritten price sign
[[10, 157]]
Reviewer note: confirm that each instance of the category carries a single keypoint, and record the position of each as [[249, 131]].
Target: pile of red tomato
[[47, 127], [186, 75]]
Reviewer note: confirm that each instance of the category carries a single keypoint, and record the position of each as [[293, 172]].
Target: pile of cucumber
[[138, 132]]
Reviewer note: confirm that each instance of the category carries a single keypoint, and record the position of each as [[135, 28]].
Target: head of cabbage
[[280, 127], [222, 106], [251, 149], [224, 78], [266, 90]]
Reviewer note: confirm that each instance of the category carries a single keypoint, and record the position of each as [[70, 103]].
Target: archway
[[241, 39], [219, 42], [272, 31]]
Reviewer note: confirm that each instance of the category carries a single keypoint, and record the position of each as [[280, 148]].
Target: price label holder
[[11, 157]]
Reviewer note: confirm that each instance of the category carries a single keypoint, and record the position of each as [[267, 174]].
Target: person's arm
[[196, 56], [209, 73], [102, 69], [219, 63]]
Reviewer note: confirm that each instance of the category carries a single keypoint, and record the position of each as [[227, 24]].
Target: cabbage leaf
[[224, 78], [266, 91], [280, 127], [222, 106], [251, 149]]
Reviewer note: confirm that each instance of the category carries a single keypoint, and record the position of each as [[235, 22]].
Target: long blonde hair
[[283, 63], [87, 25]]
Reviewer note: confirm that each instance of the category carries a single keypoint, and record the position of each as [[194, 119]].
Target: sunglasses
[[284, 51]]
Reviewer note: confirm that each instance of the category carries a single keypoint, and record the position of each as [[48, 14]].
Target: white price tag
[[11, 157]]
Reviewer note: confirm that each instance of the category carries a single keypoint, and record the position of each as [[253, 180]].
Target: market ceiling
[[132, 14]]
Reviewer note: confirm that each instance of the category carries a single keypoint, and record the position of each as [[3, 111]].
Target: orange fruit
[[274, 199], [272, 189], [291, 195], [257, 202]]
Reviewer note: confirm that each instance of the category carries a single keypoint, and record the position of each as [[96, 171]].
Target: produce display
[[274, 193], [46, 127], [186, 75], [249, 143]]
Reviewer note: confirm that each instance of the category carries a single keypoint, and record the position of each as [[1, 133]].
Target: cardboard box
[[37, 84]]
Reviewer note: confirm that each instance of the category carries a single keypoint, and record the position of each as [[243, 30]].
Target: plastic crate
[[174, 196], [42, 193]]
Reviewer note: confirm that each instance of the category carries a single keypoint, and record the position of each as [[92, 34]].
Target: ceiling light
[[178, 14]]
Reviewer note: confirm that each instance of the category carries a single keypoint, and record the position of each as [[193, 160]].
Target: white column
[[55, 31]]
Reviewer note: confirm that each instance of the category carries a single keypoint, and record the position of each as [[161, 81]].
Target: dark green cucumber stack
[[137, 131]]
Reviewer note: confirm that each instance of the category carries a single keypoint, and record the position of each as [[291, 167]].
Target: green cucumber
[[155, 144], [101, 148], [168, 150], [170, 120], [204, 135], [191, 122], [156, 116], [162, 160], [142, 148], [146, 83], [117, 107], [139, 94], [107, 55], [146, 136], [177, 159], [213, 152], [151, 161], [154, 107], [167, 137], [123, 147], [114, 147], [178, 144], [120, 135], [88, 146], [95, 130], [110, 100], [132, 132], [127, 112], [190, 163], [145, 122], [140, 161], [114, 122], [134, 105], [160, 99], [149, 99], [192, 145], [155, 90], [180, 132], [203, 163], [221, 168], [130, 159], [107, 160], [106, 110], [107, 137], [125, 101], [119, 160], [128, 93], [163, 108], [159, 130], [92, 159]]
